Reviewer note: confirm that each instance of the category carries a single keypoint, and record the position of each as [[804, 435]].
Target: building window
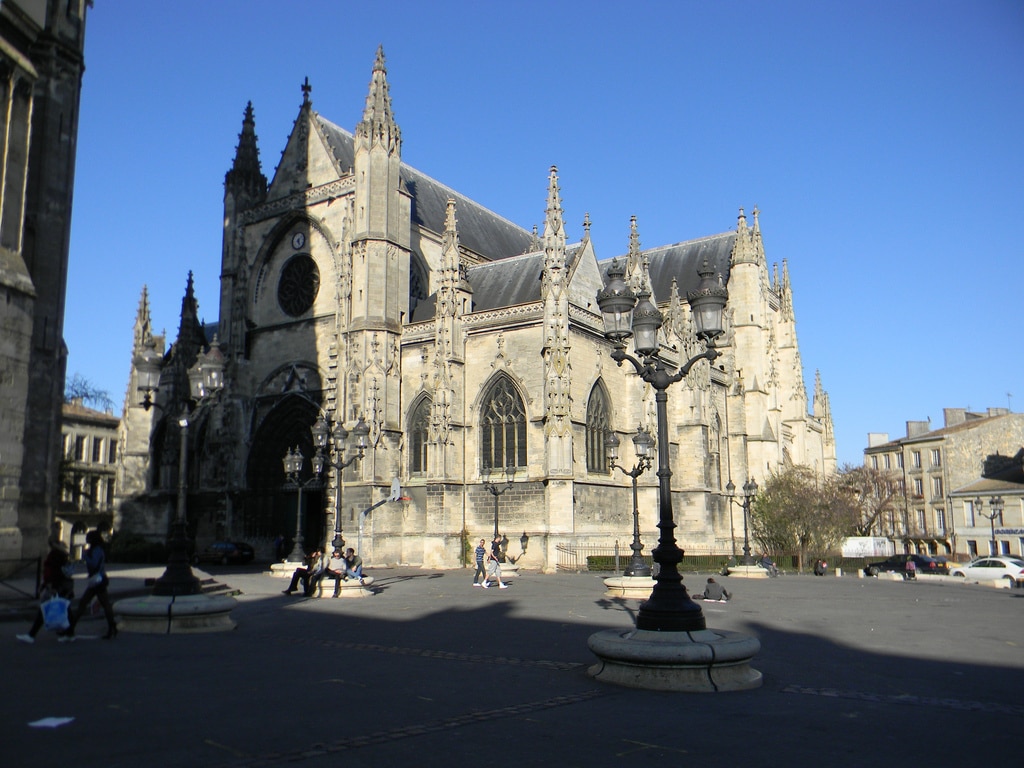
[[940, 520], [969, 514], [899, 460], [916, 459], [921, 521], [112, 452], [597, 426], [936, 457], [419, 435], [901, 486], [80, 448], [97, 450], [503, 427], [1004, 547], [972, 548], [110, 493], [918, 486], [874, 462], [936, 487], [888, 461], [299, 285]]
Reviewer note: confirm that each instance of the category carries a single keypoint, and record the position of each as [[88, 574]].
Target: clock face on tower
[[298, 240], [299, 285]]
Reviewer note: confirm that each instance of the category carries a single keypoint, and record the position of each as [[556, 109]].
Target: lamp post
[[206, 379], [996, 507], [644, 445], [497, 491], [669, 607], [293, 462], [328, 442], [749, 492]]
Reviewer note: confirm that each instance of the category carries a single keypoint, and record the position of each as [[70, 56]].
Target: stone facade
[[88, 476], [41, 67], [354, 286], [940, 471]]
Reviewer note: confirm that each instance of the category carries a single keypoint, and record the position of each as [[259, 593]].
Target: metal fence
[[572, 556], [20, 578]]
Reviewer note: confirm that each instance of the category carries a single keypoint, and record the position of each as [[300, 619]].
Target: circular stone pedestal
[[705, 661], [171, 615], [747, 572], [636, 587]]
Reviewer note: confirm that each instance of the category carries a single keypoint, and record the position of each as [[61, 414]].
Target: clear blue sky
[[881, 141]]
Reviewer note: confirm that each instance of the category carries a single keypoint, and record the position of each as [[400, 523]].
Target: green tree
[[797, 510]]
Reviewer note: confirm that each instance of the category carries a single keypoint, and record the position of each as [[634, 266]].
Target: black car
[[898, 564], [225, 552]]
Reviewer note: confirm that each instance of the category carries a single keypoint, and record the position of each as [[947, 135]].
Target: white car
[[992, 569]]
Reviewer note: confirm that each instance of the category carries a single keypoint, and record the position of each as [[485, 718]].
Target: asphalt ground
[[433, 672]]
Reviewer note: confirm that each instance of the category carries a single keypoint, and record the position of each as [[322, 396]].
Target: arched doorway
[[272, 506]]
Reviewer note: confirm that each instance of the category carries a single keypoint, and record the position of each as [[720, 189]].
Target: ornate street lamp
[[643, 444], [206, 379], [996, 507], [749, 492], [328, 442], [496, 491], [669, 608]]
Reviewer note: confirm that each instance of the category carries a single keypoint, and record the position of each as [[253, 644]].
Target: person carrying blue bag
[[55, 594]]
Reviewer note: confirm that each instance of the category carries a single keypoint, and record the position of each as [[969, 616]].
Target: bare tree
[[876, 493], [80, 388]]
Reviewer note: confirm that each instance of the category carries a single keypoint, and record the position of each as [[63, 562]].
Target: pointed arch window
[[502, 427], [598, 423], [419, 435]]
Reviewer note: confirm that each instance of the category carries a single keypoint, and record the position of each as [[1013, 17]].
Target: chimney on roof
[[877, 438], [953, 416], [918, 428]]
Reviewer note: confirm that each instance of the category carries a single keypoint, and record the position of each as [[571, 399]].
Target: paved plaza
[[433, 672]]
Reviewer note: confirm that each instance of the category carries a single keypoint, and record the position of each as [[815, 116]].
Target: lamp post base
[[705, 661], [630, 587]]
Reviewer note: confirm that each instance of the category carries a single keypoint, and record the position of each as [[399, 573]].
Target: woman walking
[[95, 558]]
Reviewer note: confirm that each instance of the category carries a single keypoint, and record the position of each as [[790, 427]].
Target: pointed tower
[[245, 187], [133, 433], [379, 298], [555, 351], [453, 294]]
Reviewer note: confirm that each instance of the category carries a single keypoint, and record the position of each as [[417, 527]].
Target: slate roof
[[682, 260], [480, 230]]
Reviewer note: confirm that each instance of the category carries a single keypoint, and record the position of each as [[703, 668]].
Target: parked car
[[982, 568], [225, 552], [898, 564]]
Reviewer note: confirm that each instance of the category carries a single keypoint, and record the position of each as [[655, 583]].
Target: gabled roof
[[682, 260], [480, 230]]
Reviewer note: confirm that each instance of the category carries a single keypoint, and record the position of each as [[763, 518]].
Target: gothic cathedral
[[466, 352]]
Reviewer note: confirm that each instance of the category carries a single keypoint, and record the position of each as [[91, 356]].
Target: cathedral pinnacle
[[554, 229], [378, 123], [246, 179]]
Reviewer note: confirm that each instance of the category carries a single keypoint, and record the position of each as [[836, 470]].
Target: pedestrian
[[95, 557], [279, 548], [308, 574], [481, 570], [494, 562], [715, 591], [911, 568], [353, 565], [335, 570], [57, 582]]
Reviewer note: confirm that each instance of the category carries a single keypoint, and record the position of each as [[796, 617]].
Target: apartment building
[[88, 465], [940, 474]]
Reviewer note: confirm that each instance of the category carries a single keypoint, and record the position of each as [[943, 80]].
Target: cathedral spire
[[554, 229], [143, 322], [633, 259], [191, 338], [786, 292], [378, 124], [743, 249], [246, 179]]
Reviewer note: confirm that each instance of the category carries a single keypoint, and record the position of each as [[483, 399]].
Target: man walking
[[494, 566], [481, 571]]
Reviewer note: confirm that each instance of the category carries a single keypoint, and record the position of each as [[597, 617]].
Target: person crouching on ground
[[715, 591]]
